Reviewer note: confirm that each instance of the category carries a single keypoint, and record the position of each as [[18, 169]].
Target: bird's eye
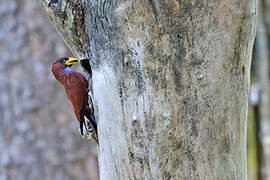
[[61, 61]]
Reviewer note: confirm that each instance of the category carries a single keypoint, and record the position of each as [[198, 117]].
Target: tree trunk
[[170, 81]]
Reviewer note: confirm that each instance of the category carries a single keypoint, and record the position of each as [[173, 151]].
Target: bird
[[77, 88]]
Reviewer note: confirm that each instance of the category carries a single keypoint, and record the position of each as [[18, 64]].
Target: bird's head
[[63, 63]]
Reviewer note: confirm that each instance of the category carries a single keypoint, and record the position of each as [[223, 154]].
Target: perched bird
[[77, 88]]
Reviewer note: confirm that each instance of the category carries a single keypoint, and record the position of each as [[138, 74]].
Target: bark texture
[[170, 83], [39, 135]]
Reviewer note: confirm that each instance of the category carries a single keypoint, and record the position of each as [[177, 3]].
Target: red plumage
[[76, 87]]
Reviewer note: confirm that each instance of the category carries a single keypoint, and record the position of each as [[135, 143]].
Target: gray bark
[[170, 81], [39, 135]]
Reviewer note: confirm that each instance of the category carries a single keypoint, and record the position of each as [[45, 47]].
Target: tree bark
[[170, 81]]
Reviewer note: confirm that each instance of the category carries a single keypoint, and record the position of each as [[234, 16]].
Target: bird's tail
[[91, 125], [91, 132]]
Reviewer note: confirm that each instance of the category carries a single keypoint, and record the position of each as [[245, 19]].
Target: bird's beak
[[71, 61]]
